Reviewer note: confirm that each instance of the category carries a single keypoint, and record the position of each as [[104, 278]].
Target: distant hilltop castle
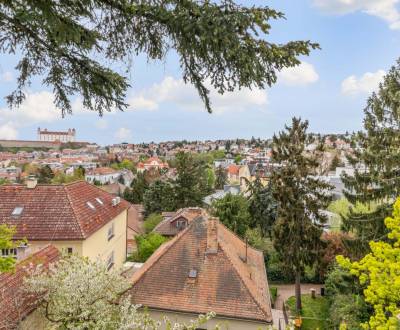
[[67, 136]]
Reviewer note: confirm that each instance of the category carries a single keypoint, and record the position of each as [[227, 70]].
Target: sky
[[359, 39]]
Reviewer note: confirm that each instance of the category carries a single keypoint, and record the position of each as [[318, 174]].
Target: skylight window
[[17, 211], [99, 201], [90, 205]]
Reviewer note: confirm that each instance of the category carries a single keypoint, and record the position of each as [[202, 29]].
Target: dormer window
[[90, 205], [17, 211]]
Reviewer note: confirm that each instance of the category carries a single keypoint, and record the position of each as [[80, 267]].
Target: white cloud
[[300, 75], [101, 124], [365, 84], [385, 9], [8, 131], [186, 97], [6, 76], [123, 134]]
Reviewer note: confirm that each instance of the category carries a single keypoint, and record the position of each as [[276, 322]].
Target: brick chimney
[[31, 182], [212, 235]]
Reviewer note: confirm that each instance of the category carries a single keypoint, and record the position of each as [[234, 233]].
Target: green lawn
[[317, 308]]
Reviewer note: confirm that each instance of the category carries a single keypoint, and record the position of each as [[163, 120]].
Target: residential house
[[103, 175], [15, 304], [152, 163], [233, 173], [135, 226], [205, 268], [228, 189], [174, 222], [76, 218]]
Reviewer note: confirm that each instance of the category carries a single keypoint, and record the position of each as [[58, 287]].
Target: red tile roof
[[102, 171], [224, 282], [57, 212], [15, 304], [233, 169]]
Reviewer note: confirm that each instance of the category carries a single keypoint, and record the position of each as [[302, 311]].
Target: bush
[[348, 308], [151, 222], [273, 291], [147, 244]]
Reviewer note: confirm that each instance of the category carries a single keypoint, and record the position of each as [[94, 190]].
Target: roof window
[[90, 205], [17, 211], [99, 201], [193, 273]]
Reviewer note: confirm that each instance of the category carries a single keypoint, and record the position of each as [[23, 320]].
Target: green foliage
[[262, 207], [273, 291], [238, 159], [315, 312], [378, 149], [62, 41], [151, 222], [147, 244], [192, 183], [379, 274], [139, 186], [3, 181], [7, 233], [232, 211], [221, 178], [300, 196], [159, 197], [45, 174], [61, 177], [124, 164], [348, 309]]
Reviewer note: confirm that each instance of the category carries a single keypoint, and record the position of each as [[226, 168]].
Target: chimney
[[212, 236], [31, 182]]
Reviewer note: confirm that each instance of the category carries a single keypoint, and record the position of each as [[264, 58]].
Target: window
[[110, 233], [90, 205], [17, 211], [99, 201], [9, 253], [110, 260], [69, 250]]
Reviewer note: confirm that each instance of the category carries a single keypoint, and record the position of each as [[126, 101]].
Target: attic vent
[[90, 205], [99, 201], [193, 273], [17, 211]]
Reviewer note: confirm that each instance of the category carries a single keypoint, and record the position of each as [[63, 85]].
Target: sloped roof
[[225, 282], [167, 226], [57, 212], [15, 304]]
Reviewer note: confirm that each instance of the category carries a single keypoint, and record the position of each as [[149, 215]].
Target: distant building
[[52, 136], [151, 163]]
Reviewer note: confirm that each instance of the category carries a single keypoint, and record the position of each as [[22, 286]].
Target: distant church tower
[[52, 136]]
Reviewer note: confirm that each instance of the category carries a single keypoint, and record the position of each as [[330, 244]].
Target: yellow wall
[[96, 246], [225, 324]]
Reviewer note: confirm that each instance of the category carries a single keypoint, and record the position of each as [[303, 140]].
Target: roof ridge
[[73, 210], [243, 280], [156, 257]]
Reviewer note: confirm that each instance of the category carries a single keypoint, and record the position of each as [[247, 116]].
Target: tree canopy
[[220, 44]]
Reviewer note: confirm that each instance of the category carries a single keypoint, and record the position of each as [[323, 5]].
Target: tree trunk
[[298, 291]]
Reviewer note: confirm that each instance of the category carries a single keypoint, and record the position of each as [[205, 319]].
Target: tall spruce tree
[[300, 196], [376, 180]]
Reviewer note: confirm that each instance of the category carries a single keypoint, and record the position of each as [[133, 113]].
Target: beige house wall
[[97, 246], [224, 323]]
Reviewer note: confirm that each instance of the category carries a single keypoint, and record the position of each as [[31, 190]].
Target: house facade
[[205, 268], [104, 175], [151, 163], [76, 218], [53, 136]]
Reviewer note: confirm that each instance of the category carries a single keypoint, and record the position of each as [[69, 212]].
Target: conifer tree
[[300, 196], [376, 180]]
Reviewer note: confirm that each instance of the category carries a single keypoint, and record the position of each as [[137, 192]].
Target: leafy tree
[[6, 242], [262, 206], [139, 186], [151, 222], [232, 211], [238, 159], [379, 273], [3, 181], [216, 42], [147, 244], [335, 163], [61, 177], [78, 293], [159, 197], [221, 177], [300, 196], [191, 184], [376, 180], [45, 174]]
